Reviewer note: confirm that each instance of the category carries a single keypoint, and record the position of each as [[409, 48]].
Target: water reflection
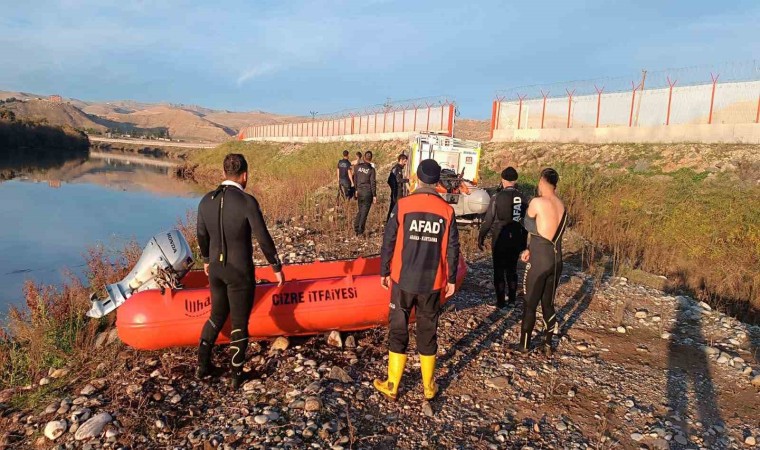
[[51, 215]]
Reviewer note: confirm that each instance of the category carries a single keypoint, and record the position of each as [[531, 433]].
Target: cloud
[[256, 71]]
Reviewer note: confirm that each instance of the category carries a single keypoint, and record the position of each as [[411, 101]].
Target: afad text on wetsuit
[[321, 295]]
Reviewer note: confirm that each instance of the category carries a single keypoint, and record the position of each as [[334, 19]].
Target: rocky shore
[[635, 368]]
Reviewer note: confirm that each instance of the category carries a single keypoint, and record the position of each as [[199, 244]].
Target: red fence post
[[493, 117], [393, 124], [498, 112], [598, 103], [569, 105], [543, 107], [757, 116], [712, 96], [633, 100], [427, 127], [441, 128], [452, 109], [670, 99], [374, 128], [403, 120], [519, 110], [385, 119], [414, 124]]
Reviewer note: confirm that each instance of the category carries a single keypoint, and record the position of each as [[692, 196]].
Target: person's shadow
[[689, 369]]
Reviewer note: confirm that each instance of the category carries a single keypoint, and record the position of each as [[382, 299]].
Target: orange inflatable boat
[[316, 297]]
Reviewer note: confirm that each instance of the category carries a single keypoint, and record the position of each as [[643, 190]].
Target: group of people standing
[[419, 257], [359, 180]]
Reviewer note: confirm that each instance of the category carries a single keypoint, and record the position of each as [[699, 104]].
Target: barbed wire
[[646, 79], [388, 106]]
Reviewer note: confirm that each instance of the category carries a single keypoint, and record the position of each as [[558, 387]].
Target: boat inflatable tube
[[316, 298]]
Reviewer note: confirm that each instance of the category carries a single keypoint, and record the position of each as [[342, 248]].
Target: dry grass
[[51, 330], [702, 231]]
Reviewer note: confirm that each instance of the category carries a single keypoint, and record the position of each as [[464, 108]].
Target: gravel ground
[[635, 367]]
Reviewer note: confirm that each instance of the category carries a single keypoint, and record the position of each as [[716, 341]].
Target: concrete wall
[[748, 133], [346, 138]]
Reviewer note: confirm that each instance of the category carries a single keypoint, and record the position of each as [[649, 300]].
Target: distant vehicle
[[459, 160]]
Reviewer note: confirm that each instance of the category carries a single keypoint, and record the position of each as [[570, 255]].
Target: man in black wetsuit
[[508, 238], [227, 217], [396, 181], [345, 177], [366, 191]]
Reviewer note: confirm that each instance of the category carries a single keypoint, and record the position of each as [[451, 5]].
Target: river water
[[51, 216]]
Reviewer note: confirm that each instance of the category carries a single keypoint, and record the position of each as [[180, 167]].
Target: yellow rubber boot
[[389, 387], [427, 365]]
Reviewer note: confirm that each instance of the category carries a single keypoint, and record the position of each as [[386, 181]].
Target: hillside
[[184, 122], [59, 114], [238, 120], [181, 124], [476, 130]]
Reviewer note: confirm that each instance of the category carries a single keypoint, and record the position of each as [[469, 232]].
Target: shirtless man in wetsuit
[[545, 222]]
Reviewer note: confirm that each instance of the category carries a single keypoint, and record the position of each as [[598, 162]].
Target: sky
[[293, 57]]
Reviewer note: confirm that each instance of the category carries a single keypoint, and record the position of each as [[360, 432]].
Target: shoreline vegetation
[[28, 144], [648, 213]]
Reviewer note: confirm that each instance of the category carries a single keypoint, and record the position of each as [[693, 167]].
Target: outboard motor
[[163, 263]]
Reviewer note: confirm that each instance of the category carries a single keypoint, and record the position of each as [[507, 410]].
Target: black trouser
[[230, 296], [394, 199], [540, 283], [365, 203], [427, 307], [345, 191], [505, 257]]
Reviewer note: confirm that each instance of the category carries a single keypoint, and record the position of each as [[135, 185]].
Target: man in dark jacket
[[345, 177], [227, 217], [396, 181], [508, 238], [419, 261], [366, 191]]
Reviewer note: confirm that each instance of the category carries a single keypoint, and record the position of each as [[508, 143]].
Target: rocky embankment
[[635, 368], [741, 159]]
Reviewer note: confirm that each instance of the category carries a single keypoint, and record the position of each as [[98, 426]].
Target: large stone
[[280, 344], [756, 381], [88, 390], [427, 410], [334, 339], [350, 342], [93, 427], [750, 441], [336, 373], [59, 373], [313, 404], [113, 336], [100, 339], [498, 383], [55, 428]]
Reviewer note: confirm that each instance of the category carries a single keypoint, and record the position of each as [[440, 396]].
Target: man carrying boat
[[227, 217], [419, 261]]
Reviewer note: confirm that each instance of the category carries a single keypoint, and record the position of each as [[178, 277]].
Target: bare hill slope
[[180, 123], [55, 114]]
